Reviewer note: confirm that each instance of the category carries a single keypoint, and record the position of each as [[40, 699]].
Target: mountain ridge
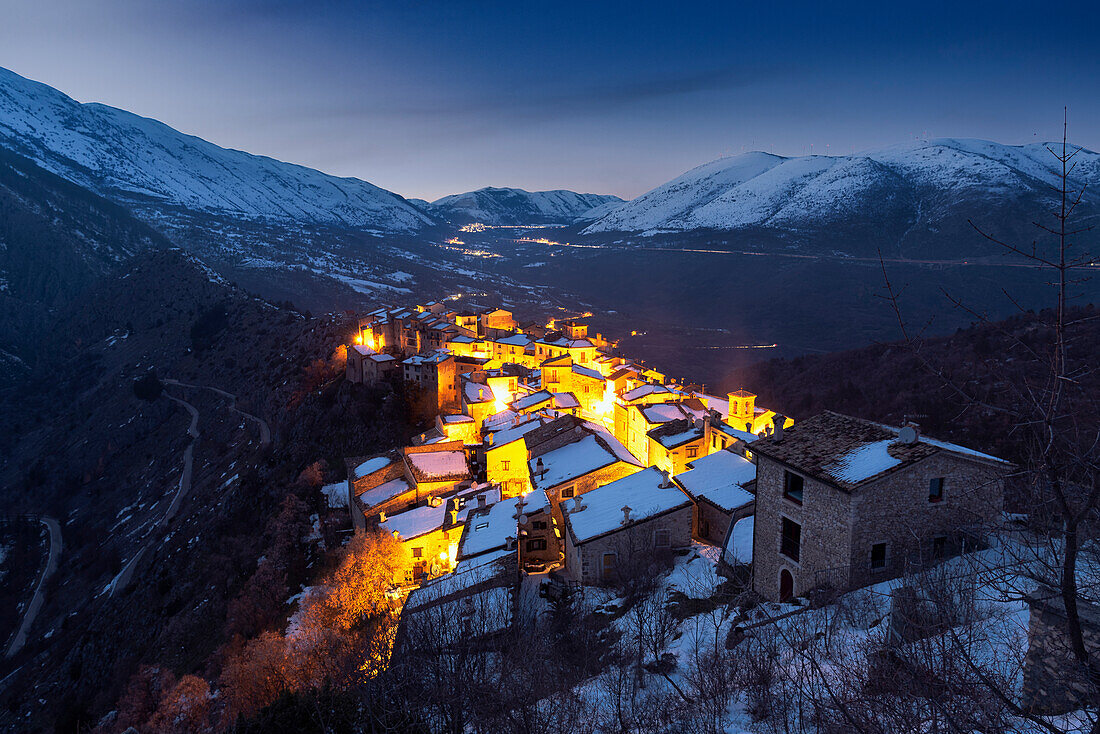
[[494, 205], [146, 163], [906, 191]]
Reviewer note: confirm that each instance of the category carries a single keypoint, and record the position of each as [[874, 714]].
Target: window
[[418, 552], [539, 525], [662, 538], [608, 566], [692, 451], [504, 465], [566, 493], [878, 556], [790, 539], [939, 546], [536, 544], [481, 526], [792, 486], [935, 489]]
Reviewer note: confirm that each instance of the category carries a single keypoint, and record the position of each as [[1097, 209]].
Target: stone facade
[[1054, 683], [839, 529], [710, 523], [634, 544]]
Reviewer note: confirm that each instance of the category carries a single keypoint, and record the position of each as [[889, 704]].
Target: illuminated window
[[935, 489], [692, 452], [504, 465], [567, 492], [418, 552], [793, 485]]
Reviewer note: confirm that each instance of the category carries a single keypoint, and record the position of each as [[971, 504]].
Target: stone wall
[[587, 483], [1053, 681], [710, 523], [895, 510], [633, 547], [825, 516]]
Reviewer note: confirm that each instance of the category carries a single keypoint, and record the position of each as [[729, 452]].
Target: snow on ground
[[337, 494]]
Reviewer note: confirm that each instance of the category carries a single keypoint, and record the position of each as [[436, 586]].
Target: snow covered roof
[[720, 478], [456, 418], [434, 358], [527, 402], [415, 522], [603, 507], [738, 547], [515, 340], [370, 466], [613, 443], [436, 466], [468, 573], [506, 436], [732, 432], [677, 433], [847, 452], [571, 461], [383, 493], [646, 390], [383, 358], [489, 529], [475, 392], [534, 501], [363, 349], [566, 401], [587, 372], [665, 412]]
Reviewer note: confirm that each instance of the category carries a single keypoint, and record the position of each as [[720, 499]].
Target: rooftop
[[435, 466], [847, 452], [571, 461], [489, 529], [677, 433], [603, 508], [370, 466], [720, 478]]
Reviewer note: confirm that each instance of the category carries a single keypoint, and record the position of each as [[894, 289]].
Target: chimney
[[578, 504], [777, 424], [667, 481], [509, 543], [481, 502], [382, 516], [489, 439], [452, 516], [626, 515]]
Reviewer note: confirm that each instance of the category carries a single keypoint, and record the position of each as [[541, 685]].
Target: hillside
[[146, 163], [911, 200], [890, 382], [57, 239], [141, 549], [503, 206]]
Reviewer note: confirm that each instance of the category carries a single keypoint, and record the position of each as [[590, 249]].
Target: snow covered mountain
[[499, 206], [147, 164], [904, 194]]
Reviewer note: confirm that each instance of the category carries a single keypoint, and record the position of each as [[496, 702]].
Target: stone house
[[435, 374], [366, 366], [436, 468], [843, 502], [672, 445], [1054, 682], [432, 531], [568, 457], [721, 490], [621, 528], [505, 453], [642, 418]]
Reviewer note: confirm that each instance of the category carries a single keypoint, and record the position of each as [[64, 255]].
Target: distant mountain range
[[913, 199], [149, 165], [503, 206]]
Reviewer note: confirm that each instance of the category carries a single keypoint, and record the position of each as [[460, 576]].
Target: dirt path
[[38, 598], [265, 430], [122, 580]]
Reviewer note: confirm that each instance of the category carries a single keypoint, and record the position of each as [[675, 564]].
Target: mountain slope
[[137, 160], [903, 197], [503, 206], [56, 239]]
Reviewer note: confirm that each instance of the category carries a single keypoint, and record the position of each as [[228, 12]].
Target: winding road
[[122, 580], [36, 602]]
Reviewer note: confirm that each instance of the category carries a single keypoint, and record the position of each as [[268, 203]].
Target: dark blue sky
[[431, 98]]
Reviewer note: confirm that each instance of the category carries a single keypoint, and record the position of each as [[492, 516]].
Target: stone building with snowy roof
[[568, 457], [436, 375], [721, 489], [843, 502], [620, 529], [367, 366]]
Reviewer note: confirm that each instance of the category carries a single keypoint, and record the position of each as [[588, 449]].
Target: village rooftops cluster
[[553, 452]]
